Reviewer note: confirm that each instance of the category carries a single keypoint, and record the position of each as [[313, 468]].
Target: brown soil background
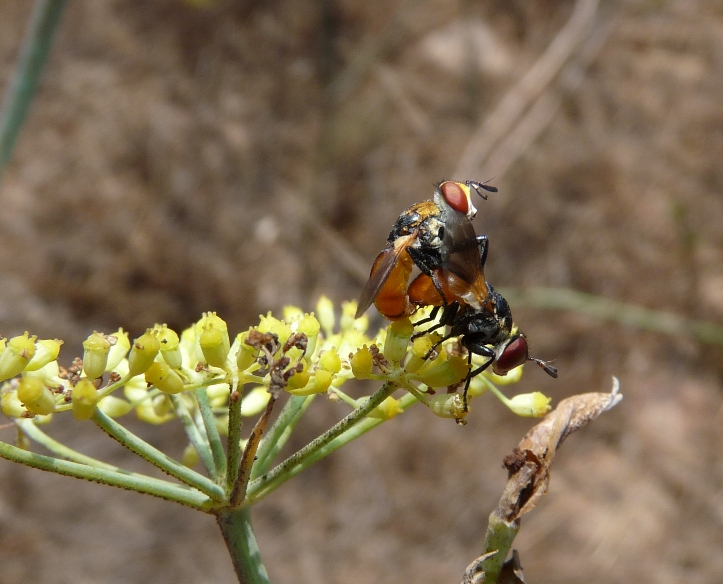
[[179, 160]]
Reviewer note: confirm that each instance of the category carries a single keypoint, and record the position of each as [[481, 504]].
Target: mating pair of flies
[[438, 238]]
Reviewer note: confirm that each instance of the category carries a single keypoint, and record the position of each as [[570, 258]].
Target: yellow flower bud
[[95, 355], [292, 313], [310, 327], [160, 375], [213, 347], [119, 347], [300, 379], [16, 356], [512, 376], [444, 372], [254, 402], [218, 394], [530, 405], [36, 396], [347, 320], [386, 410], [477, 386], [162, 404], [397, 341], [170, 350], [143, 353], [189, 457], [147, 413], [46, 351], [267, 322], [217, 343], [325, 314], [85, 398], [319, 383], [11, 405], [281, 330], [43, 419], [447, 405], [420, 347], [114, 407], [362, 364], [330, 361], [246, 355]]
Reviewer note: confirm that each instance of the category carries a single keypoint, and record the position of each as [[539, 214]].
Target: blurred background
[[238, 156]]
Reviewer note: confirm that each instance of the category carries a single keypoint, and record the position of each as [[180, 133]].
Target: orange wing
[[387, 284]]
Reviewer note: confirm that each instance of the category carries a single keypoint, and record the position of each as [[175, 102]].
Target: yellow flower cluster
[[302, 353]]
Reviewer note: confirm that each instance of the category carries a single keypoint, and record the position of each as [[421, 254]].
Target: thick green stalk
[[131, 481], [33, 55], [157, 458], [239, 536], [499, 538]]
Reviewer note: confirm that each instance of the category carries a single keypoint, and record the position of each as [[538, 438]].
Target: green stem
[[280, 432], [316, 449], [209, 422], [34, 433], [131, 481], [499, 538], [241, 542], [255, 494], [157, 458], [33, 55], [234, 439], [199, 441]]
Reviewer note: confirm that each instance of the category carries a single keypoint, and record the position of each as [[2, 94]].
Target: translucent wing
[[462, 261], [381, 270]]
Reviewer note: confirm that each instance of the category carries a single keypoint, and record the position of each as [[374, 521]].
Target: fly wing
[[382, 268], [461, 260]]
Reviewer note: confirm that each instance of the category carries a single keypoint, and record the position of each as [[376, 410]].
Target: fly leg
[[484, 351]]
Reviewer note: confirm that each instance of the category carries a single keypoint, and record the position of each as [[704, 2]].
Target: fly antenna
[[548, 367]]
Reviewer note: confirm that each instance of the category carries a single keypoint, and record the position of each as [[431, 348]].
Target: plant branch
[[209, 423], [157, 458], [131, 481], [234, 438], [235, 525], [200, 442], [31, 430], [348, 429], [281, 430], [249, 455]]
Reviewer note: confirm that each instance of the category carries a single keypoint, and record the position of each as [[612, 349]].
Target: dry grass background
[[180, 159]]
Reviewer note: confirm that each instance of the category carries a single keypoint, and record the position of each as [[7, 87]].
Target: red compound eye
[[514, 355], [455, 197]]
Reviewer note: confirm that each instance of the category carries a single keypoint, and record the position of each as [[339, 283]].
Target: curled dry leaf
[[529, 476], [529, 464]]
